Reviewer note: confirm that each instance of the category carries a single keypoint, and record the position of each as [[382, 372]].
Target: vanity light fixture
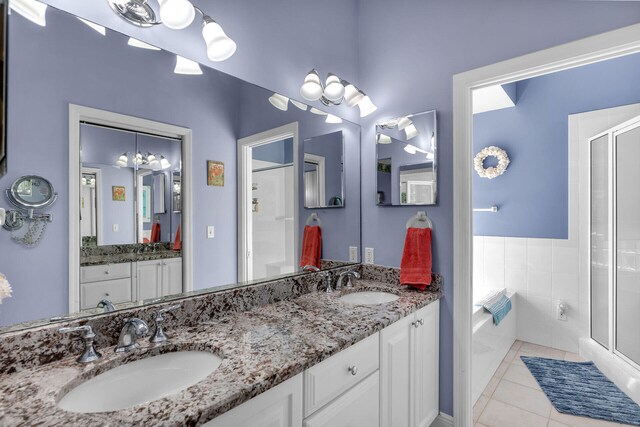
[[411, 131], [281, 102], [333, 119], [314, 110], [298, 104], [187, 66], [142, 45], [403, 122], [97, 28], [177, 15], [123, 160], [430, 156], [147, 158], [164, 163], [33, 10], [410, 149], [334, 92], [381, 138]]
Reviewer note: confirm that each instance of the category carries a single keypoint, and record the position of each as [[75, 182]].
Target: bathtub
[[490, 344]]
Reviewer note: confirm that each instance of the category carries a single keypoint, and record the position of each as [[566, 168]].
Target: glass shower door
[[627, 290]]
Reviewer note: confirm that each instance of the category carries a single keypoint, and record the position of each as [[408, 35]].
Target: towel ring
[[314, 217], [420, 220]]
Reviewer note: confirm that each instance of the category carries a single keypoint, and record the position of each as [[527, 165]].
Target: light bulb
[[97, 28], [383, 139], [333, 90], [299, 104], [186, 66], [219, 45], [366, 106], [33, 10], [314, 110], [352, 95], [123, 158], [311, 89], [176, 14], [411, 131], [410, 149], [164, 163], [137, 43], [333, 119], [279, 101], [403, 122]]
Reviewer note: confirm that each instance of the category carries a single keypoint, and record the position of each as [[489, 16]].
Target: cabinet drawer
[[97, 273], [116, 291], [332, 377]]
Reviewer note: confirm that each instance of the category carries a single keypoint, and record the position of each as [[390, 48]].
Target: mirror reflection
[[165, 202], [406, 149]]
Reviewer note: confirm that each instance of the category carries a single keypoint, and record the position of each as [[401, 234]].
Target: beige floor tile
[[574, 421], [523, 397], [501, 369], [510, 355], [517, 361], [479, 425], [479, 406], [491, 386], [499, 414], [521, 375], [554, 423], [542, 351], [516, 345], [573, 357]]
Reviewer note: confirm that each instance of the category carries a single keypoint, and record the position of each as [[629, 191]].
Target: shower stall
[[614, 262]]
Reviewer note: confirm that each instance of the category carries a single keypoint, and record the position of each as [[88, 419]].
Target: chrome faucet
[[326, 275], [348, 274], [158, 335], [90, 354], [106, 305], [131, 331]]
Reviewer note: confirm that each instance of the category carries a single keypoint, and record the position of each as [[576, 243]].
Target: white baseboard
[[443, 420]]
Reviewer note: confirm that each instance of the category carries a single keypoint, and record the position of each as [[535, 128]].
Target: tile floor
[[513, 397]]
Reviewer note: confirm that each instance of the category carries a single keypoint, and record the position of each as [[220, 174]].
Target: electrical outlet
[[353, 254], [115, 227], [368, 255], [211, 232]]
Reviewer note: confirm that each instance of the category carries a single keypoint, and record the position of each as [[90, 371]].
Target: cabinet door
[[172, 276], [279, 407], [116, 291], [149, 279], [395, 373], [425, 376], [358, 407]]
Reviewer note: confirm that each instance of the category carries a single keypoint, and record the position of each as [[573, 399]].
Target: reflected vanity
[[144, 200], [406, 159]]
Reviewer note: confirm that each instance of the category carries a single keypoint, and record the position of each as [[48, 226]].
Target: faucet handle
[[159, 335], [90, 354], [327, 281]]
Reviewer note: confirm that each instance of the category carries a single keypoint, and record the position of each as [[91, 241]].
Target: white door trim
[[245, 146], [98, 173], [319, 161], [78, 114], [612, 44], [141, 173]]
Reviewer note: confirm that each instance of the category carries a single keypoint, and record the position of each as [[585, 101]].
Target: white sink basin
[[369, 297], [141, 381]]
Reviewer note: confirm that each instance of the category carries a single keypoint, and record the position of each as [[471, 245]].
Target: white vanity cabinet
[[109, 281], [409, 369], [158, 278]]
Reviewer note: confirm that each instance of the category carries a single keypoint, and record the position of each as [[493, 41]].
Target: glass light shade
[[410, 149], [411, 131], [352, 95], [123, 158], [403, 122], [430, 156], [366, 106], [279, 101], [298, 104], [186, 66], [137, 43], [333, 119], [219, 46], [333, 89], [383, 139], [97, 28], [311, 89], [176, 14], [318, 112], [33, 10], [164, 163], [151, 159], [121, 164], [119, 2]]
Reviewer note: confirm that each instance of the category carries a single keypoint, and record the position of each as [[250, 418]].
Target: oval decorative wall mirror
[[31, 192]]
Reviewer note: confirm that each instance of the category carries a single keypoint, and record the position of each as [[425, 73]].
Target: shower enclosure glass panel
[[600, 271], [627, 205]]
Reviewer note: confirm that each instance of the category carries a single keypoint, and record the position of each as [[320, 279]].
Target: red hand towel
[[415, 268], [177, 243], [311, 246], [155, 232]]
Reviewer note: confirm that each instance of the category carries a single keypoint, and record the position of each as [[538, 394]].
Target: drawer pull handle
[[353, 369], [415, 324], [106, 294], [421, 321], [106, 272]]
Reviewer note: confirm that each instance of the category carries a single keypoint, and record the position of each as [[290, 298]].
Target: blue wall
[[533, 192]]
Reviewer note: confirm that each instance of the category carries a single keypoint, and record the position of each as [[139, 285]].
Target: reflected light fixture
[[430, 156], [97, 28], [143, 159], [381, 138], [333, 119], [403, 122], [318, 112], [410, 149], [33, 10], [123, 160], [177, 15], [299, 104], [411, 131], [164, 163], [334, 92], [281, 102], [137, 43], [187, 66]]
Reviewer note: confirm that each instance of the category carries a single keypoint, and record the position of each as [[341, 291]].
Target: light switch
[[211, 233], [368, 255], [353, 254], [115, 227]]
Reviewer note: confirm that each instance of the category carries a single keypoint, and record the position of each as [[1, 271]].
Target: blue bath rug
[[579, 388]]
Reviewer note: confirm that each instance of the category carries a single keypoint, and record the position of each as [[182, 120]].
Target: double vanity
[[282, 353]]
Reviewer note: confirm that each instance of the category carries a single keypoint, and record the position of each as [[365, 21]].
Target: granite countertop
[[103, 259], [261, 348]]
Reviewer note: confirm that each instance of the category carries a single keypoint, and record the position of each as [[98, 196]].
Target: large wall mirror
[[406, 160], [148, 205]]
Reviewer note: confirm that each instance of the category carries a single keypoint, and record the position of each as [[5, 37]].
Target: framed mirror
[[31, 192], [406, 160], [323, 175]]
